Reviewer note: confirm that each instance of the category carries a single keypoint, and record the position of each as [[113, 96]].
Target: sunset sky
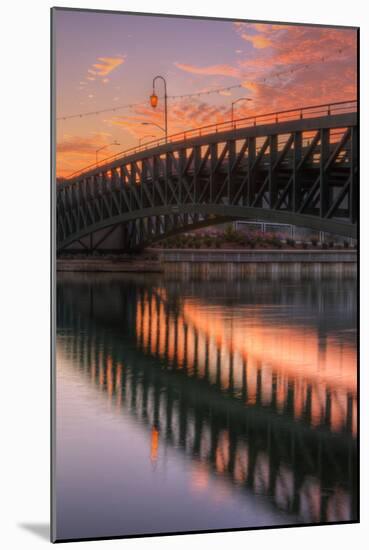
[[107, 60]]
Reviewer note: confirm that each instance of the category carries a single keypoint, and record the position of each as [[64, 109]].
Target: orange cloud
[[302, 66], [212, 70], [295, 44], [184, 114], [265, 27], [74, 152], [257, 40], [280, 67], [290, 66], [105, 65]]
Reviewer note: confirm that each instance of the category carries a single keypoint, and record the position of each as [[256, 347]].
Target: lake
[[200, 404]]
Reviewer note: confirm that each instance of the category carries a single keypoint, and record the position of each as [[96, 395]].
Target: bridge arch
[[141, 230], [301, 172]]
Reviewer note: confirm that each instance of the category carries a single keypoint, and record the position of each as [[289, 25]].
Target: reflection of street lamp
[[237, 100], [154, 102], [153, 124], [104, 147], [143, 137]]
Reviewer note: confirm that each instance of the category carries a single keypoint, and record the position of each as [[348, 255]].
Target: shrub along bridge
[[298, 167]]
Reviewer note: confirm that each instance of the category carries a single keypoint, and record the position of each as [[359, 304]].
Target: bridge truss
[[297, 167]]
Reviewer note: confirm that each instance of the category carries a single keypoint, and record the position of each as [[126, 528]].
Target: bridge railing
[[327, 109]]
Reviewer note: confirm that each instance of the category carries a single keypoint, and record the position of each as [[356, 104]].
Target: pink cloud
[[212, 70], [74, 152], [280, 67], [104, 66], [291, 65], [257, 40], [107, 64]]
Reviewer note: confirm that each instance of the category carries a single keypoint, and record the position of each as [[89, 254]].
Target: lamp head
[[153, 99]]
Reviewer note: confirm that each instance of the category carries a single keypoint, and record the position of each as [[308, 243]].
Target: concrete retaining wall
[[257, 256], [255, 263]]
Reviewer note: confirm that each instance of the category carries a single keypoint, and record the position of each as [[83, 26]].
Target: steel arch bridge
[[298, 167]]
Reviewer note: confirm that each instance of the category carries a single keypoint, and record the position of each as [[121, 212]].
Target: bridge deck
[[303, 172]]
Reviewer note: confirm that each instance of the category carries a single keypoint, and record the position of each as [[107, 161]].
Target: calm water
[[190, 405]]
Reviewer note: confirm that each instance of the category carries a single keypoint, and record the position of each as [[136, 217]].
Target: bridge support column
[[231, 159], [273, 190], [296, 184], [324, 182], [353, 200], [197, 164], [213, 162], [250, 169]]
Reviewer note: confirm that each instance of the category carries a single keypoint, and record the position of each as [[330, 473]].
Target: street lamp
[[154, 102], [104, 147], [143, 137], [153, 124], [237, 100]]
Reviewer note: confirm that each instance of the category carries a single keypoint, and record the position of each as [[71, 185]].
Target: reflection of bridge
[[297, 167], [285, 437]]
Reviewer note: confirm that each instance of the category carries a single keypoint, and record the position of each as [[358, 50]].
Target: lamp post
[[153, 124], [237, 100], [154, 102], [104, 147]]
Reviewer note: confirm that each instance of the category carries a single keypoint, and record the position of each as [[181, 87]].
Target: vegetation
[[227, 239], [231, 238]]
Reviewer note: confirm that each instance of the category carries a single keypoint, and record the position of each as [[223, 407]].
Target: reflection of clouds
[[268, 363], [307, 473], [199, 476], [262, 473], [310, 499], [284, 486], [106, 374], [338, 504], [294, 350], [241, 463]]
